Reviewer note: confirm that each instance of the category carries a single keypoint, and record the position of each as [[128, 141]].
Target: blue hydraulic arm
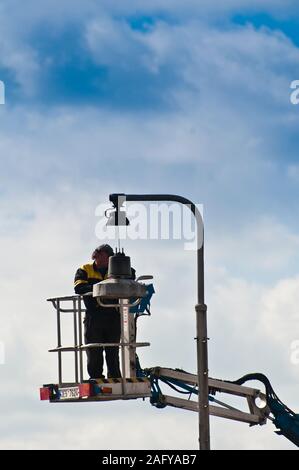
[[285, 420]]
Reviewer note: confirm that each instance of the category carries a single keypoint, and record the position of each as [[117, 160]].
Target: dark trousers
[[102, 328]]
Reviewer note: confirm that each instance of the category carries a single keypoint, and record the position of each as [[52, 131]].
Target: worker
[[101, 324]]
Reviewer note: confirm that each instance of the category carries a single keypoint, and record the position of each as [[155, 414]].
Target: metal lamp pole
[[200, 308]]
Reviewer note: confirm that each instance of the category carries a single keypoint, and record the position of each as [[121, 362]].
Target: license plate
[[68, 393]]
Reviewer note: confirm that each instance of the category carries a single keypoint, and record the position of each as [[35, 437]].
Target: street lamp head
[[116, 217]]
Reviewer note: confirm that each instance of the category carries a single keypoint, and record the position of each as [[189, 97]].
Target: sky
[[189, 98]]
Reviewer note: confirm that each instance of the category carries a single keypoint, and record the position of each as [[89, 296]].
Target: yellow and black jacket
[[86, 276]]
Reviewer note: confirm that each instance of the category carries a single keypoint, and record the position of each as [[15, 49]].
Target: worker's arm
[[81, 282]]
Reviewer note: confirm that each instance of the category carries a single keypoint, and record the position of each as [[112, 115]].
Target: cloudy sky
[[188, 98]]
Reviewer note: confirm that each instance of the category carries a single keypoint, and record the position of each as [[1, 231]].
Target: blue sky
[[159, 97]]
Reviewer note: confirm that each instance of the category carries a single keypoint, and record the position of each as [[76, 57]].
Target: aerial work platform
[[97, 390], [129, 386]]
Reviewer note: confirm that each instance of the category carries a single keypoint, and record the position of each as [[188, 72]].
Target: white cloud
[[205, 57], [18, 57], [113, 43], [253, 322], [230, 95], [244, 58], [280, 312], [265, 246], [293, 172]]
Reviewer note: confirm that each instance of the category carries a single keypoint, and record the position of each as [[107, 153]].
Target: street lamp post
[[200, 308]]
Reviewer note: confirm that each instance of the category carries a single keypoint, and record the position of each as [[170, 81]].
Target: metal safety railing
[[77, 309]]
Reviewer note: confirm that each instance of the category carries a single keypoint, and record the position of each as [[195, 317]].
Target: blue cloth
[[144, 305]]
